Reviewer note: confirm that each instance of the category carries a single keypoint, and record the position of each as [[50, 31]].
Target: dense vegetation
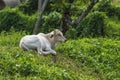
[[76, 59], [19, 64], [101, 55], [92, 51], [103, 20]]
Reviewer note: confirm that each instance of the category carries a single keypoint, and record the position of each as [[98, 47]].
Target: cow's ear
[[55, 31], [51, 36]]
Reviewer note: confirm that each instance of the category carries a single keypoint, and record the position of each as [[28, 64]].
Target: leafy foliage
[[102, 55], [50, 22], [12, 18], [113, 28], [88, 59], [29, 7], [111, 10], [82, 59], [18, 64], [92, 26]]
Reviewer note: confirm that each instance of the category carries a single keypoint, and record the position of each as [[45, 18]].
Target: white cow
[[43, 43]]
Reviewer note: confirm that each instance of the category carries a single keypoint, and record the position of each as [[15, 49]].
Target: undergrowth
[[25, 65], [100, 54]]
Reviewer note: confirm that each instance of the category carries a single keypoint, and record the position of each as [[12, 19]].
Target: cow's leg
[[48, 48], [47, 51], [40, 51], [24, 46], [53, 52]]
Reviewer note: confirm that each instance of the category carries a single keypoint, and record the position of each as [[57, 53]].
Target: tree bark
[[41, 7], [66, 15], [64, 26]]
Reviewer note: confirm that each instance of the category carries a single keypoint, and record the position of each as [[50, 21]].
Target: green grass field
[[82, 59]]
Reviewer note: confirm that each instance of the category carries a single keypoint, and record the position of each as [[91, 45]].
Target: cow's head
[[58, 36]]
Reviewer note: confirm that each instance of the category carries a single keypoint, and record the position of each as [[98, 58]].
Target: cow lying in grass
[[43, 43]]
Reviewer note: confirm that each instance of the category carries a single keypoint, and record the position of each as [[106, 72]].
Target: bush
[[98, 24], [29, 7], [117, 12], [71, 33], [113, 28], [17, 62], [50, 21], [92, 26], [23, 65], [13, 18], [105, 6], [101, 54], [111, 10]]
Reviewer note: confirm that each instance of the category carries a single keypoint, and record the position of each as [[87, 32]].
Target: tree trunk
[[38, 22], [39, 17], [41, 7], [64, 25]]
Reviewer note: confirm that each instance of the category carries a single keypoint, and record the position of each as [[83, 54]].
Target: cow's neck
[[52, 42]]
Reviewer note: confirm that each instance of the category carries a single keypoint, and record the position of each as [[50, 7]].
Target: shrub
[[101, 54], [105, 6], [113, 28], [13, 18], [117, 12], [71, 33], [29, 7], [18, 64], [111, 10], [92, 26], [26, 64], [50, 22]]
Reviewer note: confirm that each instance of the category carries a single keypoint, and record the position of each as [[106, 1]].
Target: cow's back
[[29, 41], [34, 42]]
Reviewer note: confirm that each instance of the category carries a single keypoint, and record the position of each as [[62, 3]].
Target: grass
[[24, 65], [82, 59], [101, 55]]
